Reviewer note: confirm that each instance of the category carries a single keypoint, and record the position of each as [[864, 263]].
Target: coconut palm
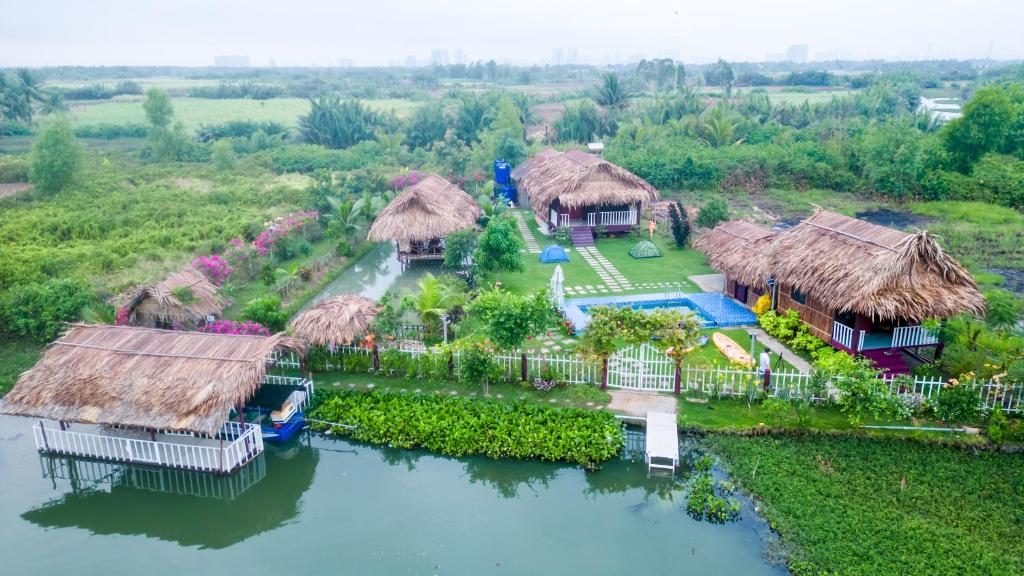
[[472, 118], [346, 217], [435, 299], [718, 128], [612, 93]]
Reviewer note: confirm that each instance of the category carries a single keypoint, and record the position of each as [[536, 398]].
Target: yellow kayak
[[731, 350]]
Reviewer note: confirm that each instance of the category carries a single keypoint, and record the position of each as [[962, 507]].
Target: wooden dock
[[662, 450]]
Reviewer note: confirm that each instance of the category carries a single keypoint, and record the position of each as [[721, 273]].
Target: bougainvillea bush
[[213, 267], [235, 328], [282, 227]]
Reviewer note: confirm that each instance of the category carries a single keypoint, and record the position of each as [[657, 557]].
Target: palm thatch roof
[[335, 321], [431, 208], [144, 377], [738, 249], [848, 264], [161, 304], [578, 179]]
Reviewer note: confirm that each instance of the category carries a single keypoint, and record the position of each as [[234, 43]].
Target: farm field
[[195, 112]]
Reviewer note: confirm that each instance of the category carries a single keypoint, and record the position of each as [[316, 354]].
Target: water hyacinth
[[235, 328], [213, 267]]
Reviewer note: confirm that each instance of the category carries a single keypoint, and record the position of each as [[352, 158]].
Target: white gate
[[642, 367]]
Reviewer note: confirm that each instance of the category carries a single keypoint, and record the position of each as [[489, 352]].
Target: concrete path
[[531, 243], [638, 404], [778, 348], [709, 282]]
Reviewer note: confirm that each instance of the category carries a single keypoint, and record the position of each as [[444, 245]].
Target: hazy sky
[[375, 32]]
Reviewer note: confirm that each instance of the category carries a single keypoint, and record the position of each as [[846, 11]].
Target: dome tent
[[553, 253], [644, 249]]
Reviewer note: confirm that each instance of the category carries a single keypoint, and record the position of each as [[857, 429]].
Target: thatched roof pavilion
[[162, 304], [576, 179], [144, 377], [432, 208], [336, 321], [852, 265], [738, 249]]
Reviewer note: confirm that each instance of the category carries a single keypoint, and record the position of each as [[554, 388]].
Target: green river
[[331, 506]]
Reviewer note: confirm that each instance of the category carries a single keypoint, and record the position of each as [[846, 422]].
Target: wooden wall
[[817, 317], [752, 293]]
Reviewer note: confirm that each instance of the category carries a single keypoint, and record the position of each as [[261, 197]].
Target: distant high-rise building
[[410, 61], [459, 57], [345, 63], [557, 57], [574, 57], [439, 57], [231, 61], [797, 53]]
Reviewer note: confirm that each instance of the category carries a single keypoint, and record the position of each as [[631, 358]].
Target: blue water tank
[[502, 172]]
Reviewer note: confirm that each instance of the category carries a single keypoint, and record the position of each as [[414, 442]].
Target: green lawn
[[858, 506], [575, 395], [674, 266], [194, 112], [17, 356], [708, 355]]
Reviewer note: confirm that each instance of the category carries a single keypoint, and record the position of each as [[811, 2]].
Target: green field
[[194, 112], [164, 82], [787, 95]]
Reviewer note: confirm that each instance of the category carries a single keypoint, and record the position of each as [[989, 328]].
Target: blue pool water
[[714, 309]]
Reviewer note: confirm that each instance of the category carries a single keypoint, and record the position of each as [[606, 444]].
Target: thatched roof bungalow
[[582, 191], [144, 377], [861, 286], [336, 321], [419, 219], [183, 300], [739, 250]]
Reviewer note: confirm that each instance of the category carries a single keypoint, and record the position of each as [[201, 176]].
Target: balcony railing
[[842, 334], [234, 446], [615, 218], [913, 336]]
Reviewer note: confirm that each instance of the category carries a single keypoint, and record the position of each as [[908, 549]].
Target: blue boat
[[277, 410]]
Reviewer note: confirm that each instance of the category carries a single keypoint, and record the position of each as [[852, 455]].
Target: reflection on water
[[340, 506], [189, 508], [377, 272]]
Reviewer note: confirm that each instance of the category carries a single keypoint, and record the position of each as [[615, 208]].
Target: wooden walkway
[[662, 450]]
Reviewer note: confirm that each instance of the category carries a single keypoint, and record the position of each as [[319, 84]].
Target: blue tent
[[553, 254]]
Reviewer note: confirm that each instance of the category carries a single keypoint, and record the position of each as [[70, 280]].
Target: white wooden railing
[[241, 443], [842, 334], [614, 218], [306, 383], [913, 336]]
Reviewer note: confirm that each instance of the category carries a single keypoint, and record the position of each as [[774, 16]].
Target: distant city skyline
[[402, 32]]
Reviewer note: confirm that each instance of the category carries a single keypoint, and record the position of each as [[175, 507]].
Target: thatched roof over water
[[144, 377], [431, 208], [738, 249], [156, 304], [852, 265], [577, 179], [336, 321]]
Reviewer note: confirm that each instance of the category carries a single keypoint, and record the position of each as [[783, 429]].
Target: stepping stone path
[[613, 279], [531, 243]]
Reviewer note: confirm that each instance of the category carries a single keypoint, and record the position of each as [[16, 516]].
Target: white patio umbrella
[[557, 279]]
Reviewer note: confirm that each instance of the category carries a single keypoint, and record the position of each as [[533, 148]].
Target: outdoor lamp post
[[444, 324], [753, 346]]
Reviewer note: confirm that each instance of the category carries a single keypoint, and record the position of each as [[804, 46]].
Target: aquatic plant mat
[[867, 507], [457, 426]]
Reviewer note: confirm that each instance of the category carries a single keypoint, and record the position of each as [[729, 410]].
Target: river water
[[323, 506], [377, 272]]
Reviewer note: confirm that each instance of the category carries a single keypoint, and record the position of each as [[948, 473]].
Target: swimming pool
[[714, 309]]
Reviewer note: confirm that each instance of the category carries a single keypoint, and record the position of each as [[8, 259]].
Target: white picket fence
[[646, 368]]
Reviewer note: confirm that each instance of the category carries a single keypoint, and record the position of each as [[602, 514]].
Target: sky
[[378, 32]]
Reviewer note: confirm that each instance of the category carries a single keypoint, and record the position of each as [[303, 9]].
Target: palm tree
[[611, 93], [717, 128], [435, 299], [472, 118], [346, 217]]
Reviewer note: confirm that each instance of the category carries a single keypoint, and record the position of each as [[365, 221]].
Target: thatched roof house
[[739, 249], [421, 217], [144, 377], [336, 321], [184, 299], [579, 189], [858, 285], [850, 264]]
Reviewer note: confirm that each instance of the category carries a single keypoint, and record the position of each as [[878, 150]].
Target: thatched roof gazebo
[[184, 300], [336, 321], [145, 378], [578, 189], [419, 218]]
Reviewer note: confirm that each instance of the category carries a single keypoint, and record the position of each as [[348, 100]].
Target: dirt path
[[640, 403], [13, 188]]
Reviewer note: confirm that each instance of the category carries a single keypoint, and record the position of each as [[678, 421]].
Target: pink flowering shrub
[[282, 227], [236, 328], [243, 257], [122, 316], [406, 179], [213, 267]]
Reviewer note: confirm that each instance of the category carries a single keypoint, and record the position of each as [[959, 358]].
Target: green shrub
[[13, 169], [957, 403], [267, 311], [998, 425], [712, 213], [343, 249], [465, 426], [39, 311]]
